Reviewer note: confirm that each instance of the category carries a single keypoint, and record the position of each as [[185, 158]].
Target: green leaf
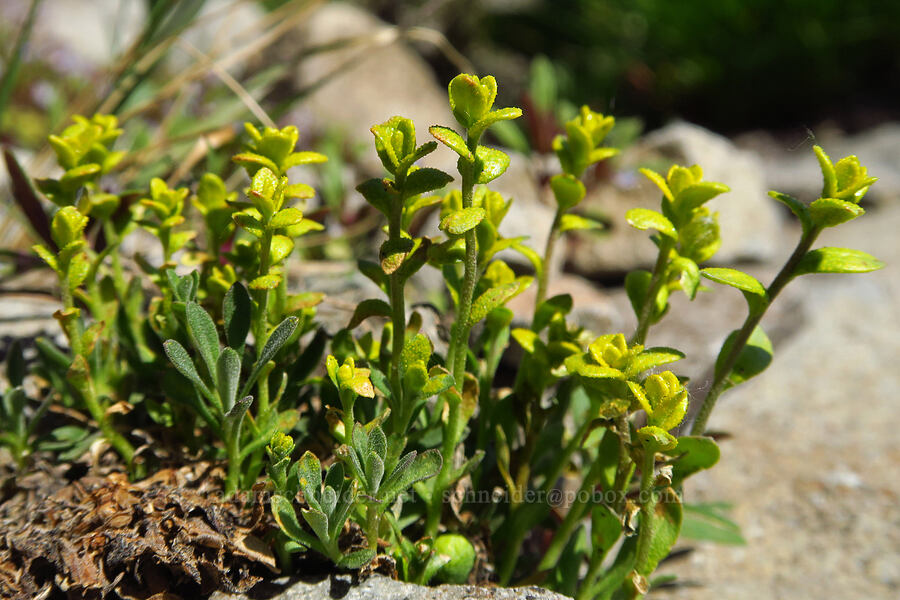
[[234, 416], [285, 218], [228, 373], [736, 279], [369, 308], [417, 349], [577, 223], [637, 284], [577, 364], [440, 380], [644, 218], [393, 253], [309, 472], [420, 152], [425, 180], [266, 282], [16, 368], [561, 304], [526, 338], [376, 193], [699, 237], [276, 340], [495, 116], [490, 164], [707, 522], [237, 310], [471, 97], [461, 221], [798, 208], [697, 194], [568, 191], [412, 468], [202, 331], [286, 518], [660, 182], [356, 559], [693, 454], [656, 439], [318, 522], [828, 173], [374, 472], [248, 221], [491, 299], [281, 248], [253, 161], [605, 528], [67, 226], [46, 256], [182, 361], [753, 359], [452, 140], [837, 260], [689, 275], [828, 212], [653, 357], [303, 158]]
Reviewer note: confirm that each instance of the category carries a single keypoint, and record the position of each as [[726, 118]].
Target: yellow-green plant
[[225, 362]]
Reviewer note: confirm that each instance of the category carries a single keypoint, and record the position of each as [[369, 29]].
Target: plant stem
[[261, 322], [456, 353], [459, 341], [746, 330], [512, 551], [625, 468], [113, 239], [648, 506], [570, 521], [656, 281], [398, 323], [372, 527], [544, 275], [594, 566], [348, 400], [122, 446], [448, 449], [232, 452]]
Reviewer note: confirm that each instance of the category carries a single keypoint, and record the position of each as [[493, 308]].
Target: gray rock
[[378, 587], [747, 217], [367, 83]]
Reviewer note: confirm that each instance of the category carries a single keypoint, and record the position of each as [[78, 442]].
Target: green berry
[[462, 557]]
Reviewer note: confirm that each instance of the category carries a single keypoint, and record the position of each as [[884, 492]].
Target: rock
[[378, 587], [79, 37], [747, 217], [809, 468], [364, 84], [795, 170]]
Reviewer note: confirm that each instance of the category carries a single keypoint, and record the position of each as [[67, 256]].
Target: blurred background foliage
[[730, 65], [174, 71]]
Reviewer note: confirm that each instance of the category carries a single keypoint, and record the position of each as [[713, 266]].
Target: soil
[[171, 535]]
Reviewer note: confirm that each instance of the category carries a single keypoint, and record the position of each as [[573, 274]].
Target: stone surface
[[366, 83], [378, 587], [747, 217], [812, 467]]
